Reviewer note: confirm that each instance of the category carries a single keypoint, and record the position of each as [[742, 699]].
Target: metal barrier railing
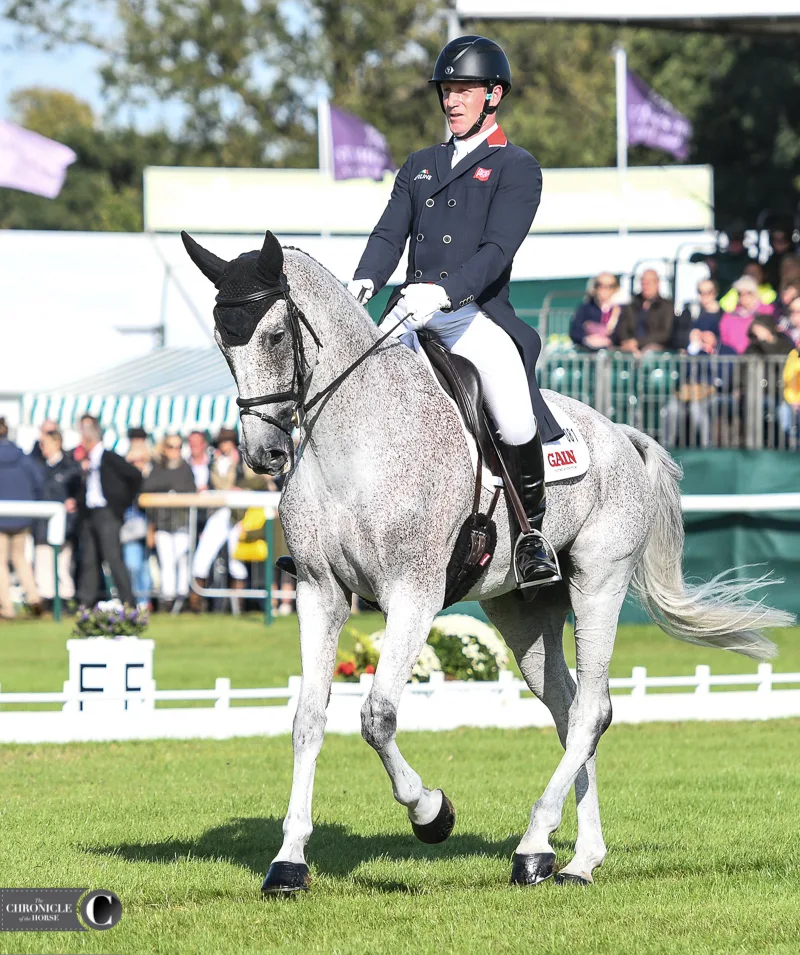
[[683, 400], [190, 532]]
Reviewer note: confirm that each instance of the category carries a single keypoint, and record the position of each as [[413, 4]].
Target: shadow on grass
[[334, 849]]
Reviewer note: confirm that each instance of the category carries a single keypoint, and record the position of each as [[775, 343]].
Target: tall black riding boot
[[535, 561]]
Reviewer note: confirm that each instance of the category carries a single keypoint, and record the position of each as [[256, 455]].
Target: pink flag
[[31, 162]]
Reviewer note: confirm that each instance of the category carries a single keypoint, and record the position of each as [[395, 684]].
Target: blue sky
[[72, 69]]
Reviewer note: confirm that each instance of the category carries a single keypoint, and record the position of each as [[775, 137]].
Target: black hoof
[[440, 828], [532, 869], [567, 878], [285, 878]]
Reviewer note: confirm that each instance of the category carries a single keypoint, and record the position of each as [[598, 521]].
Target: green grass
[[700, 819], [192, 652]]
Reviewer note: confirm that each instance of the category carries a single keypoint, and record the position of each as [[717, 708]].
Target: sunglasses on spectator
[[605, 284], [173, 447], [706, 291]]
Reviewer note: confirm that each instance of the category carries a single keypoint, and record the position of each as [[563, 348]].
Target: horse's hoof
[[439, 828], [532, 869], [286, 878], [568, 878]]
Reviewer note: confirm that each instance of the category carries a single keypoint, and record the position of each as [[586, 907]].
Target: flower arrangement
[[467, 648], [363, 660], [110, 619], [460, 646]]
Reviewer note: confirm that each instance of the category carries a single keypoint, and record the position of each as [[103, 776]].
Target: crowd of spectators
[[146, 552], [743, 307]]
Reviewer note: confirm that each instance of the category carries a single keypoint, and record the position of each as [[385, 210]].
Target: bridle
[[300, 377], [301, 374]]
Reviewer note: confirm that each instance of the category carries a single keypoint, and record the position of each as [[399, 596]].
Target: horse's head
[[257, 328]]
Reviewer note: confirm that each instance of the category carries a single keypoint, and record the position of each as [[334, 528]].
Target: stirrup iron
[[548, 575]]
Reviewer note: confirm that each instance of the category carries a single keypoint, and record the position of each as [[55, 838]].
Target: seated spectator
[[705, 311], [134, 534], [789, 292], [171, 474], [704, 338], [595, 319], [646, 323], [780, 240], [61, 482], [790, 325], [766, 292], [766, 339], [790, 409], [20, 480], [725, 267], [734, 326], [199, 459]]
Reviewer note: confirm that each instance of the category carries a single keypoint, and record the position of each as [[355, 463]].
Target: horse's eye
[[277, 337]]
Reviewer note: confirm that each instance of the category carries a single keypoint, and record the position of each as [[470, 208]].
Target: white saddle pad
[[569, 456]]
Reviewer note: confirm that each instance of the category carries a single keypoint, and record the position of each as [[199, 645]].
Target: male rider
[[467, 205]]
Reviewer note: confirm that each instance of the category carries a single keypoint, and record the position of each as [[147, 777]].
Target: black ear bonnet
[[247, 286]]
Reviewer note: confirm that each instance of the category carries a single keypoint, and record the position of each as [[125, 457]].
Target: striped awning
[[169, 390]]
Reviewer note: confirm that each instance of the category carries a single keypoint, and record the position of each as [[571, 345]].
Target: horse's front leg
[[322, 608], [408, 624]]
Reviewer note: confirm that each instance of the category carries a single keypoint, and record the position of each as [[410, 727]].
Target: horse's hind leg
[[407, 626], [322, 607], [596, 604], [535, 632]]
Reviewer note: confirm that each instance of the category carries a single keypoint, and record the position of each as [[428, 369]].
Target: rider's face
[[463, 103]]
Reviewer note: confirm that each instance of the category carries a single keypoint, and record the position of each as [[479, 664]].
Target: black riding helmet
[[470, 58]]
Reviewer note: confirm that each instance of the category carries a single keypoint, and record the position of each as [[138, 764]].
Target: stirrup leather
[[550, 575]]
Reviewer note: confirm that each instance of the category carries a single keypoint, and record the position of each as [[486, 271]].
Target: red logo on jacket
[[482, 174]]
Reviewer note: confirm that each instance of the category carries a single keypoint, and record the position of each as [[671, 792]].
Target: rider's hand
[[362, 290], [422, 299]]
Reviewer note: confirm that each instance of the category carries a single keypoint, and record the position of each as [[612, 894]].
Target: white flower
[[428, 663], [468, 628]]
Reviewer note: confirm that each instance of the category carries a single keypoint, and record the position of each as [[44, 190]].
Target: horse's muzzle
[[270, 461]]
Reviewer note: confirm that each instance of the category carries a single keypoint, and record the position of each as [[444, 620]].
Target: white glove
[[362, 290], [422, 300]]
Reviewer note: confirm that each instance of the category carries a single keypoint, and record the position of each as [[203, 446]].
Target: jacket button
[[418, 274], [443, 275], [451, 202], [420, 237], [429, 202], [447, 239]]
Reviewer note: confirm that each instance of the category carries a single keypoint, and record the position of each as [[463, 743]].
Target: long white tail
[[718, 613]]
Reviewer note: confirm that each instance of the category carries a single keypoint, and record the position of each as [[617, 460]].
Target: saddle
[[478, 536]]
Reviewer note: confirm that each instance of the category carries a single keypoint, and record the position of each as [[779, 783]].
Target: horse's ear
[[212, 266], [270, 260]]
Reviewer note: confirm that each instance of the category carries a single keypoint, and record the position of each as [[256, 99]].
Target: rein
[[299, 387]]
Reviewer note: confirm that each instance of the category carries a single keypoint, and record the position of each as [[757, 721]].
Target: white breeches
[[469, 332], [219, 529]]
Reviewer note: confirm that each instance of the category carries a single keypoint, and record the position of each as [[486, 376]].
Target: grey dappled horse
[[378, 490]]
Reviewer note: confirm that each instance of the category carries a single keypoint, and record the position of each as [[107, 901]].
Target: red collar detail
[[498, 138]]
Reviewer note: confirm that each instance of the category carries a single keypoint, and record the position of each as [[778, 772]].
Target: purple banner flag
[[654, 122], [31, 162], [359, 150]]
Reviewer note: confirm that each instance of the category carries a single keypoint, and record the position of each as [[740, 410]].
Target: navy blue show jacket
[[466, 224]]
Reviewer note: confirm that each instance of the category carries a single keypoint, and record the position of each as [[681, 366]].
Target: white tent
[[771, 17]]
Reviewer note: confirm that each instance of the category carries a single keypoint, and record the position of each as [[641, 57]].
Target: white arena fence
[[437, 705]]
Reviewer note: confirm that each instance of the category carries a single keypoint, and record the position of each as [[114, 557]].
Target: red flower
[[369, 668], [348, 668]]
